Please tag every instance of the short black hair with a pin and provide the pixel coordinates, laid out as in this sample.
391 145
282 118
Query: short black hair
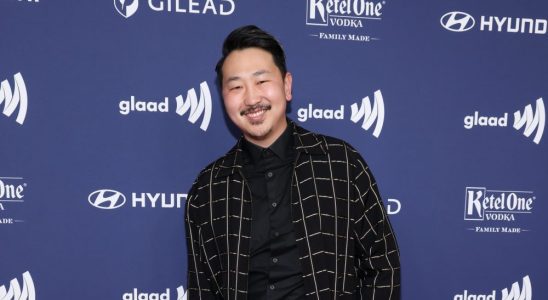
251 36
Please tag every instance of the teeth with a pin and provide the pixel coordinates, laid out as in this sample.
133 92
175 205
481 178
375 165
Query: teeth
256 112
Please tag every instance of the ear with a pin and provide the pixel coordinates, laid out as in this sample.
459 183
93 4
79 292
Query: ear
288 80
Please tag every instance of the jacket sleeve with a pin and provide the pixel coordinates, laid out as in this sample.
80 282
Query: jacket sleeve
377 251
199 285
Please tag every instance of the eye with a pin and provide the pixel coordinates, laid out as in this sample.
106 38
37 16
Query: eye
235 88
262 81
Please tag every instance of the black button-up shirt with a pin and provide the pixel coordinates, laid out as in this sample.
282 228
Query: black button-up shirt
275 271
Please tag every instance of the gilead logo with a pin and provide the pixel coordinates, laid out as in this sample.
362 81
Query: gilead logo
126 8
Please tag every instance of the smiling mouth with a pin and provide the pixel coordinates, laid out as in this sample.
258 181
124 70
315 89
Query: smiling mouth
255 109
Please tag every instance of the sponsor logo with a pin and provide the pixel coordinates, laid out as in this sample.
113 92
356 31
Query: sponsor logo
346 14
515 293
16 98
368 115
393 207
12 191
458 21
128 8
15 292
366 112
197 107
112 199
529 121
136 295
106 199
492 207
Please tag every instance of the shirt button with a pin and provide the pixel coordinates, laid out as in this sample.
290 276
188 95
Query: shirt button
269 174
272 287
274 204
275 260
276 233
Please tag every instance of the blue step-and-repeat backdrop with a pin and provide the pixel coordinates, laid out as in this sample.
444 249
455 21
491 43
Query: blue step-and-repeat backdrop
109 109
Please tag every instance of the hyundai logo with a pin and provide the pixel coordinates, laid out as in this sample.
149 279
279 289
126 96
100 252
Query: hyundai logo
107 199
457 21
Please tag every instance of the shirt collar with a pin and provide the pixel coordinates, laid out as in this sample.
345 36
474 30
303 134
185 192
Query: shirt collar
282 147
304 141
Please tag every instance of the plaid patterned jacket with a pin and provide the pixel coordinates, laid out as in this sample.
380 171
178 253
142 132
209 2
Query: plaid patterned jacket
347 247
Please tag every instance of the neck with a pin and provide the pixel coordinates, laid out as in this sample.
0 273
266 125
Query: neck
269 138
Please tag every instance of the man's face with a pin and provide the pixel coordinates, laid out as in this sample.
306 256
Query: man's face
255 94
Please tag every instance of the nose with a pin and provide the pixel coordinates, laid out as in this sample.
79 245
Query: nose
252 95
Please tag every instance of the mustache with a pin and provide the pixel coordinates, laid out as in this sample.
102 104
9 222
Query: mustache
256 107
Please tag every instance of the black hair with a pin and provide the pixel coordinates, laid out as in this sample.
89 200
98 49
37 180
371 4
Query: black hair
251 36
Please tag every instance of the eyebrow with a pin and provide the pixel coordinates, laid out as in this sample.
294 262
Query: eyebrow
255 74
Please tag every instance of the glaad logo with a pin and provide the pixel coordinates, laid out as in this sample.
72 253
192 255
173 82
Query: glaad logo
14 99
212 7
201 107
519 294
493 206
136 295
126 9
530 121
112 199
365 113
181 294
106 199
370 115
516 293
527 119
457 21
16 293
197 107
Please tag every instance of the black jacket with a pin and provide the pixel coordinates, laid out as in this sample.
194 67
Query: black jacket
347 247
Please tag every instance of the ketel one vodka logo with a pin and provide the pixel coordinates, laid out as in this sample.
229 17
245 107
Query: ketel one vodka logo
12 191
195 107
495 206
15 98
528 121
16 292
345 13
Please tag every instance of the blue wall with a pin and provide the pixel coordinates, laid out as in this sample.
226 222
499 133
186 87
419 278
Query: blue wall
456 93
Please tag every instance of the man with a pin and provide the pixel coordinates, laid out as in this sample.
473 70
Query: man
286 213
